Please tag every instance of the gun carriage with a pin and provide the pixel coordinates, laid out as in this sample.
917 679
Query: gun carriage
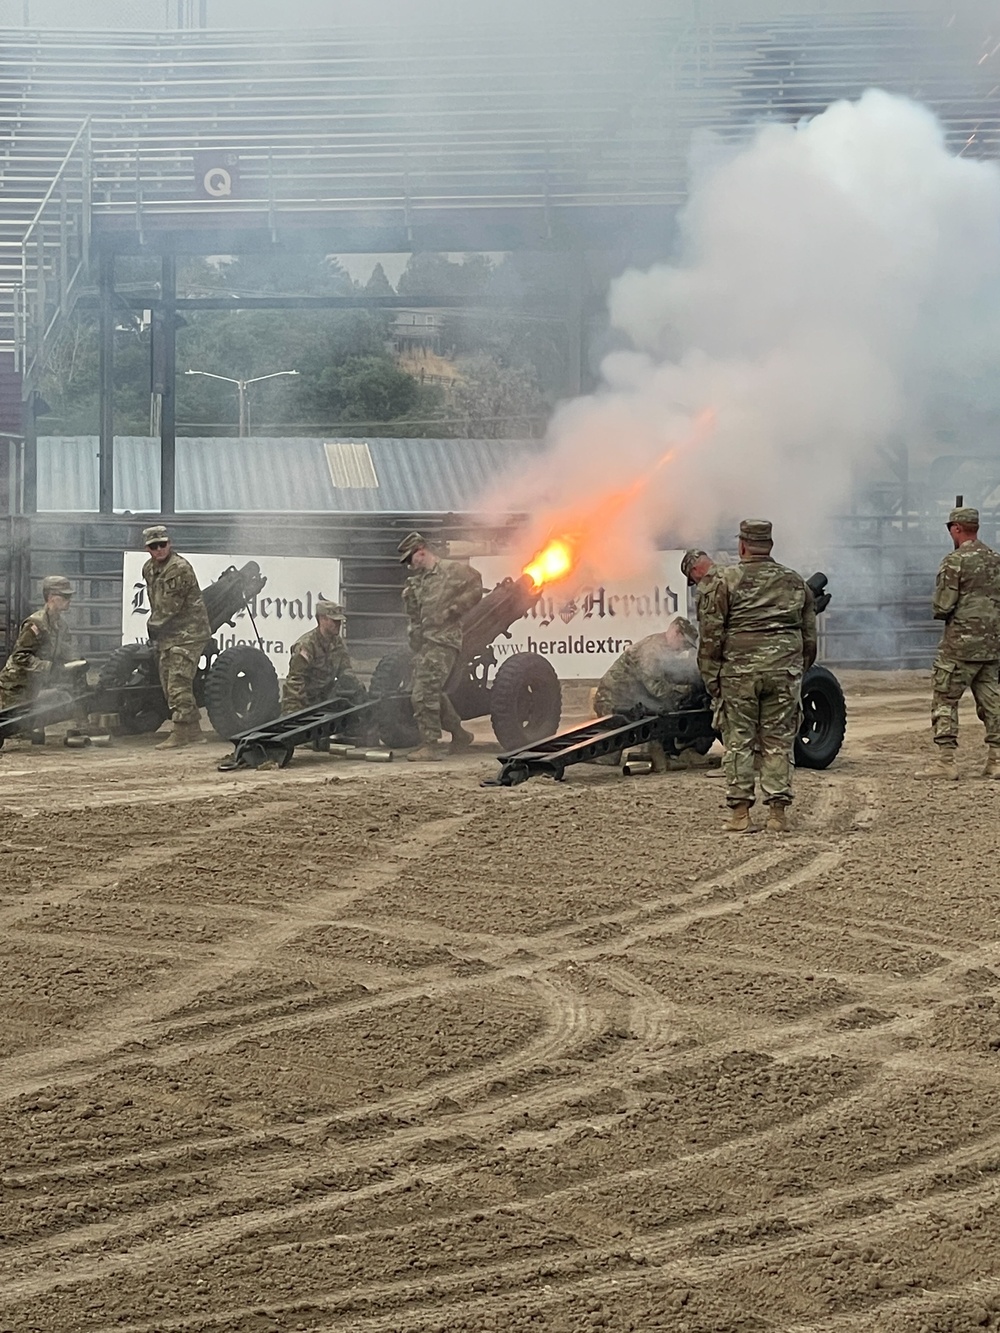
237 686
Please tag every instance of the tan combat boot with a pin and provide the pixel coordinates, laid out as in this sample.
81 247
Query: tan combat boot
777 818
429 753
183 735
461 740
944 766
992 769
739 818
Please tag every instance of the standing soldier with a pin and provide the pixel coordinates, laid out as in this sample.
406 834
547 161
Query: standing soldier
436 596
758 637
42 647
698 568
967 599
319 666
178 629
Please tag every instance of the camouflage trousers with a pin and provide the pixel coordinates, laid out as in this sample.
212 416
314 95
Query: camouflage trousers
432 708
177 664
950 681
18 685
759 718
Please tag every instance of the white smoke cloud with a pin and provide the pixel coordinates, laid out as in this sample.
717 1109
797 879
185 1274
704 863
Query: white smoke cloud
837 286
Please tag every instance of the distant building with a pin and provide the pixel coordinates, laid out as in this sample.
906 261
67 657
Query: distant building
417 331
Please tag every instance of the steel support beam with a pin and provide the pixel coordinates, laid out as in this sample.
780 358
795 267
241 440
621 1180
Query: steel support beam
168 402
106 371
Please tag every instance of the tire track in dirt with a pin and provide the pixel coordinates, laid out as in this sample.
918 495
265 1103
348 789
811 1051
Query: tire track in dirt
136 1020
632 1263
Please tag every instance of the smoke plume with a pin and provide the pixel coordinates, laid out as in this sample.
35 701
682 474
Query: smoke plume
836 287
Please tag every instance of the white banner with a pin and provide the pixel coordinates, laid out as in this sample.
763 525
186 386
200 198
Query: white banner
582 630
284 610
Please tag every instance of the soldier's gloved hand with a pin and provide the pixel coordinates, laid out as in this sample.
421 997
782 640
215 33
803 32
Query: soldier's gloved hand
415 639
151 632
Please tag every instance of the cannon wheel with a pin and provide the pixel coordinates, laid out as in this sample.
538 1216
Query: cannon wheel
824 719
134 664
393 675
525 700
241 691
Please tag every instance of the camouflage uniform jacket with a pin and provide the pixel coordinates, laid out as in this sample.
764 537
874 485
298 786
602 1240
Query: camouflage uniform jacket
43 643
650 674
316 665
703 591
756 616
176 607
435 601
967 599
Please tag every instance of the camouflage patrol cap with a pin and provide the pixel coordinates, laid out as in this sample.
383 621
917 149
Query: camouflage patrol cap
56 583
756 531
410 543
332 609
689 561
155 534
965 517
682 626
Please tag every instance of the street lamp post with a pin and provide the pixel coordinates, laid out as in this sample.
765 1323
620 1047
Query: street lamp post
241 386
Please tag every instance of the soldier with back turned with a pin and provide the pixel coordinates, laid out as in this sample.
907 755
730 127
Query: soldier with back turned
758 637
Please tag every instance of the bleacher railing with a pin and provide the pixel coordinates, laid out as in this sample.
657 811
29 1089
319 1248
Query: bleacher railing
55 252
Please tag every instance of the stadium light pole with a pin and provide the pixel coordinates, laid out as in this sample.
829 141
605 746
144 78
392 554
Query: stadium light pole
242 386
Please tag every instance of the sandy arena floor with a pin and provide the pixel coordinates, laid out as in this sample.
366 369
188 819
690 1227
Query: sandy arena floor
370 1048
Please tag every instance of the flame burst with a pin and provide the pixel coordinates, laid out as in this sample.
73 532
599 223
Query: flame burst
552 562
588 530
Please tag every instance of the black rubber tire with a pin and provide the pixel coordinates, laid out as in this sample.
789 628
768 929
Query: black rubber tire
525 700
824 719
134 664
392 678
241 691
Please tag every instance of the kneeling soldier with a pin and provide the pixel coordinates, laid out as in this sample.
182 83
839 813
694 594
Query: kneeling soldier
42 648
319 666
655 674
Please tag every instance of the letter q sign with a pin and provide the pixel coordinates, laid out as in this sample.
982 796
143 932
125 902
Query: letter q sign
216 174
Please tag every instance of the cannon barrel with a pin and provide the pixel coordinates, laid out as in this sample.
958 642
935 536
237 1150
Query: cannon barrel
495 613
229 594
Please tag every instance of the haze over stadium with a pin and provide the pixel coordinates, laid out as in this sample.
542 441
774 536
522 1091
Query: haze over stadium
836 287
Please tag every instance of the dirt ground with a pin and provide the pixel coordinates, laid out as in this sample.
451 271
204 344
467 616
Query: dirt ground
371 1048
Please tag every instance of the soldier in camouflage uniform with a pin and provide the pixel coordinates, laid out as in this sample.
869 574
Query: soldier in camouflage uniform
436 596
178 629
42 648
967 599
319 666
699 569
758 637
655 674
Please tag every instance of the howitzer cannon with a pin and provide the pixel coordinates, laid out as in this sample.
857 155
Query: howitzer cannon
691 726
521 696
237 686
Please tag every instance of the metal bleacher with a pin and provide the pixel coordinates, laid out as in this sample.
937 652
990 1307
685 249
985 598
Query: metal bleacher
384 139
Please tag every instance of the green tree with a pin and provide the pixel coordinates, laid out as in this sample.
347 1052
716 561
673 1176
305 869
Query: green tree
497 401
